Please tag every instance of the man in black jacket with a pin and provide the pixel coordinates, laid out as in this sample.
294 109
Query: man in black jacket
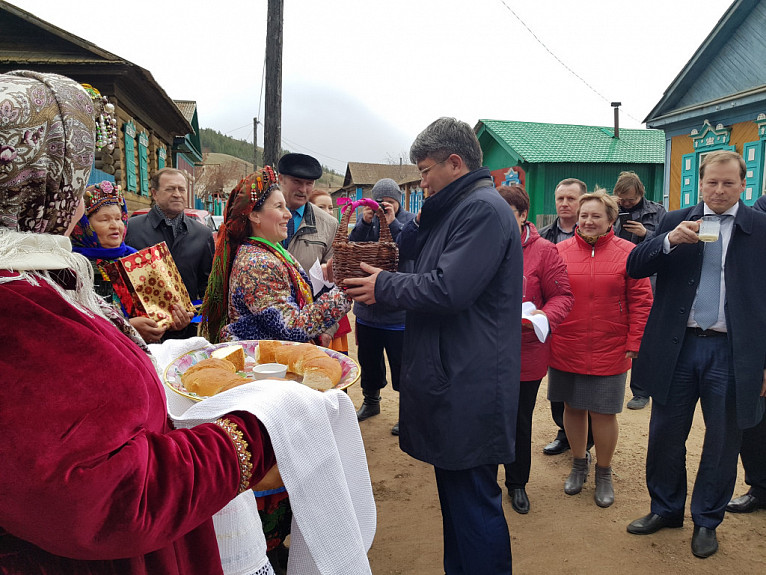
459 385
190 242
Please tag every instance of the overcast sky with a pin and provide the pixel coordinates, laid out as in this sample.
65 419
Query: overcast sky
362 79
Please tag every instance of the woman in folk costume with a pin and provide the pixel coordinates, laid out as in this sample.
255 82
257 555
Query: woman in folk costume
257 290
94 479
99 235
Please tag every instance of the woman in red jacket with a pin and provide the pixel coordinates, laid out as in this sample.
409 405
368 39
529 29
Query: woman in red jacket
546 285
592 349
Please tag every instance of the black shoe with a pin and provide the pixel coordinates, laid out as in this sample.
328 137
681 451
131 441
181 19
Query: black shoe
556 447
395 429
704 542
747 503
519 500
652 523
368 410
638 402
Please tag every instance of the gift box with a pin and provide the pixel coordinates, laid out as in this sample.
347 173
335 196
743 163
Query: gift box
148 283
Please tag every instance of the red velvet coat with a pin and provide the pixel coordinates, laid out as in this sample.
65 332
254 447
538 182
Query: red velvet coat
610 308
92 478
546 284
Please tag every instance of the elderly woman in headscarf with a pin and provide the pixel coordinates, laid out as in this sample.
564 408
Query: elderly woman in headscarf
94 478
99 235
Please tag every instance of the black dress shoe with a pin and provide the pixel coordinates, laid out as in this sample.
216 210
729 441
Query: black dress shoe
556 447
704 542
367 410
747 503
519 500
395 429
652 523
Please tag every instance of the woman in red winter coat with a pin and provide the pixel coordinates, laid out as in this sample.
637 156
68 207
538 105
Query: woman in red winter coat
546 285
592 349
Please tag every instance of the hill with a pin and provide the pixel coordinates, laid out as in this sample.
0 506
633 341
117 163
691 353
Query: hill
216 142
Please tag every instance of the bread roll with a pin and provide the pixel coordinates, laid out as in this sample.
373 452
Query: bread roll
211 376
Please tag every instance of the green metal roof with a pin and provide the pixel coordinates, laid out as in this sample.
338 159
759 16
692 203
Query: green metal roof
536 142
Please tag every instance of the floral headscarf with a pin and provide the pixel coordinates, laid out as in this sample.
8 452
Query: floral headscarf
47 139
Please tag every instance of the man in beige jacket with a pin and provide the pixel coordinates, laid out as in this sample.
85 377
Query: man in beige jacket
310 231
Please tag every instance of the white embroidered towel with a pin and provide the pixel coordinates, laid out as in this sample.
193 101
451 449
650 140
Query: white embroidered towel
321 458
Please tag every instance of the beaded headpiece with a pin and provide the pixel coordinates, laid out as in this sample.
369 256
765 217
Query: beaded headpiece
261 185
106 122
102 194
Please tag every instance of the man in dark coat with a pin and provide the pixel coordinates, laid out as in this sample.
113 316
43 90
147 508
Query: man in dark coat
753 452
460 370
705 340
190 242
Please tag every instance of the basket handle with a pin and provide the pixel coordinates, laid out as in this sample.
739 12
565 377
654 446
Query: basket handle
348 206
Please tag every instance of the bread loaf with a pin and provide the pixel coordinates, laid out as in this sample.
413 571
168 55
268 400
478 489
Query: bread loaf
319 370
233 353
211 376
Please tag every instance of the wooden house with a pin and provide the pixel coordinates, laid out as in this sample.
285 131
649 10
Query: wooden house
717 101
153 131
540 155
361 177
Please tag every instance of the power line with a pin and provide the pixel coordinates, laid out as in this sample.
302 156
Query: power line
235 129
560 61
294 145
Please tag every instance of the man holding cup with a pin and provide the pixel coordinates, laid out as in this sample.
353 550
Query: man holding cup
704 341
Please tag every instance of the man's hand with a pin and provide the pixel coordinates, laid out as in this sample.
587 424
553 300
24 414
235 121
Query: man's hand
324 339
388 209
147 329
763 385
327 272
684 233
636 228
367 214
181 318
631 354
363 289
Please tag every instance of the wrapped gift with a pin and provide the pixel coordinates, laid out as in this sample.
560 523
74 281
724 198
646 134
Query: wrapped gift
148 283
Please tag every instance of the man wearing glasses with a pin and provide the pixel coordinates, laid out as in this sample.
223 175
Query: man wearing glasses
459 383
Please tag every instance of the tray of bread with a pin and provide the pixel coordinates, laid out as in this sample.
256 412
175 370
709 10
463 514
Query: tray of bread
213 369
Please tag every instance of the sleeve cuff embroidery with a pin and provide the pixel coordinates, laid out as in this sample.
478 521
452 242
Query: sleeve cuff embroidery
243 453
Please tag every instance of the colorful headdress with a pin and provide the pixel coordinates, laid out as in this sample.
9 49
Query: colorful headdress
249 195
96 197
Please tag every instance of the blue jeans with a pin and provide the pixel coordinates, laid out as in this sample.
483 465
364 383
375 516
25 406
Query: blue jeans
704 372
476 538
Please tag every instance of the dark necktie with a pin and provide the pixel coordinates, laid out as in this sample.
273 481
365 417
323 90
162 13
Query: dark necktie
709 292
290 230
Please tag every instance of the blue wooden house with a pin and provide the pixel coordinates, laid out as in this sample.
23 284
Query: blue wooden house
717 101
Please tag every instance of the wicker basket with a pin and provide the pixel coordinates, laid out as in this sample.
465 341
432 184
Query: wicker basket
348 255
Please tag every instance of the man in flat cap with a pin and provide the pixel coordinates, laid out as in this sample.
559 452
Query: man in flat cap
310 231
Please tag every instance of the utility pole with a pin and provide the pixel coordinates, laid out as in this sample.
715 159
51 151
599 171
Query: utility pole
255 143
272 134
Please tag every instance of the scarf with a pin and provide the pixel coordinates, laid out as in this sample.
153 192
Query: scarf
47 144
436 207
299 282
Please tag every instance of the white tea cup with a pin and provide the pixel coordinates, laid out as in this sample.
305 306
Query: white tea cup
269 371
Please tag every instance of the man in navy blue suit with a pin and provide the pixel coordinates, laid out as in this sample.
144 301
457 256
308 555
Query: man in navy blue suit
705 341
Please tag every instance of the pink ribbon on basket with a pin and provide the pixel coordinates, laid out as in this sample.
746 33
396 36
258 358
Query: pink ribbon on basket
348 203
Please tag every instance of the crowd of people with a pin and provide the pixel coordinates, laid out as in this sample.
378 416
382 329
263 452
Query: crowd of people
613 284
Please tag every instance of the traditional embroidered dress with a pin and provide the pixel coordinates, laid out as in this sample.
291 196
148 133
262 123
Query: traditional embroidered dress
270 298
